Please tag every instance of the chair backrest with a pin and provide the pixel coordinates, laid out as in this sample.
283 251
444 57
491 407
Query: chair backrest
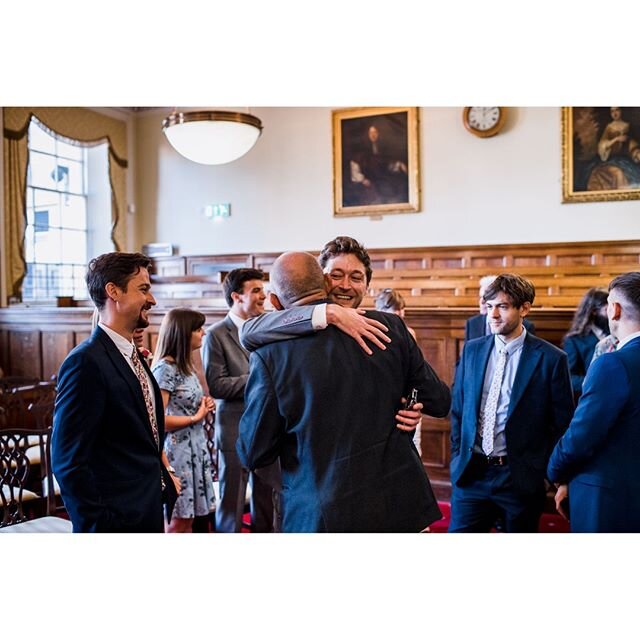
16 478
17 402
26 417
9 383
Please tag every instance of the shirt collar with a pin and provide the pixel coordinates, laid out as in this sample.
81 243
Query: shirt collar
236 319
124 346
512 346
629 338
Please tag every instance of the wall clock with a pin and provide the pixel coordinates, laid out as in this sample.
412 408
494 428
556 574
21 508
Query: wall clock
484 122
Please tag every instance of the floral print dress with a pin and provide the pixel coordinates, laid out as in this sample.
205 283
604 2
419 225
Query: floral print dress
186 448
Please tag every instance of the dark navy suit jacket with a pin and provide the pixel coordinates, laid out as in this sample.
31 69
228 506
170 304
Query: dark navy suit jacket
599 455
103 452
326 409
540 409
579 350
475 327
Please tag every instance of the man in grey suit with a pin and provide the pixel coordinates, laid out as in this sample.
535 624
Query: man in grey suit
226 366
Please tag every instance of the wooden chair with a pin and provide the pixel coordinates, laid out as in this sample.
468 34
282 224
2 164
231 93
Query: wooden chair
17 501
27 488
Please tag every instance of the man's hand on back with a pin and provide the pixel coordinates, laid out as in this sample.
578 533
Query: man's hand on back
355 323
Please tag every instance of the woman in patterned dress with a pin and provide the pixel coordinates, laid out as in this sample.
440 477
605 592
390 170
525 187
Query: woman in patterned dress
185 408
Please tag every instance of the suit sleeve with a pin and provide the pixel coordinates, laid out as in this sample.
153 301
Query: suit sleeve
277 325
562 398
576 365
606 390
221 384
80 404
456 406
262 427
432 392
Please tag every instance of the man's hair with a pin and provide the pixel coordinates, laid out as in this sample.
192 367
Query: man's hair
485 281
516 287
390 300
628 286
345 244
593 300
294 276
234 282
116 267
174 338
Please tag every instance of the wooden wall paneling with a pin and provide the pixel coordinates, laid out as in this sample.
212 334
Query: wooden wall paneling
25 353
5 362
211 265
78 337
55 347
168 267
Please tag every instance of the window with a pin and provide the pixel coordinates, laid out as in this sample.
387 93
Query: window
67 222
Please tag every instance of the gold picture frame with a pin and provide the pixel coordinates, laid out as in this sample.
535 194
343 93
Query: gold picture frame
376 168
600 154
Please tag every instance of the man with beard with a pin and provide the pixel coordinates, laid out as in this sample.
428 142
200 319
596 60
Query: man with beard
512 401
108 424
326 412
347 268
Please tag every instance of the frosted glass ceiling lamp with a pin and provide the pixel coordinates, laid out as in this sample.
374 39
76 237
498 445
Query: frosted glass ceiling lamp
212 137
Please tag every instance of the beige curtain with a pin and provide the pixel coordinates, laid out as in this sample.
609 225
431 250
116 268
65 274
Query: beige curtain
77 126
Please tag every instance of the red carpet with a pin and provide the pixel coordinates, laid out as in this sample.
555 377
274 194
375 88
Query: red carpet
549 522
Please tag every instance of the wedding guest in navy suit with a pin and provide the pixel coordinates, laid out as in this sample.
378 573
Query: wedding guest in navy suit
596 461
328 412
511 402
108 423
589 325
479 325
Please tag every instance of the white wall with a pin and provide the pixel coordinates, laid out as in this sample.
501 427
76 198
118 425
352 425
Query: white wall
505 189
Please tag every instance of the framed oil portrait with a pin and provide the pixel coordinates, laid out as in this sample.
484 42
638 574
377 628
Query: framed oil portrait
600 154
375 161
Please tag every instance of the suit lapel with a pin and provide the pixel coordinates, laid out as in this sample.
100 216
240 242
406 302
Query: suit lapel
529 359
479 364
130 377
233 333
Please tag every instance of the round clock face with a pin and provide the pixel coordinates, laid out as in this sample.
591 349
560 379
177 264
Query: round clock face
484 121
483 118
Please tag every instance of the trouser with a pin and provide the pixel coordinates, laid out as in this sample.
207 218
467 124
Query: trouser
233 478
489 496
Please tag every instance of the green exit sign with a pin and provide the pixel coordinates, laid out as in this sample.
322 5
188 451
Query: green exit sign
217 211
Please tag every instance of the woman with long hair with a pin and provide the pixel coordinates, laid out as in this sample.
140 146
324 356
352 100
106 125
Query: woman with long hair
590 324
185 407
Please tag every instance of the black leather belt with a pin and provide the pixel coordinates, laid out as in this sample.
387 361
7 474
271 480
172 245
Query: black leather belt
492 461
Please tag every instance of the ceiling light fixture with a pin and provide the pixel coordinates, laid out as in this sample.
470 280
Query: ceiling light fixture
212 137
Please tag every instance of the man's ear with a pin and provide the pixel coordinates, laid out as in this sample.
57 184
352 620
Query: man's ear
327 283
525 309
273 299
112 291
616 311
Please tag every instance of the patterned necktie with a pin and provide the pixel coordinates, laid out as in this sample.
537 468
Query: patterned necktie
146 392
491 406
